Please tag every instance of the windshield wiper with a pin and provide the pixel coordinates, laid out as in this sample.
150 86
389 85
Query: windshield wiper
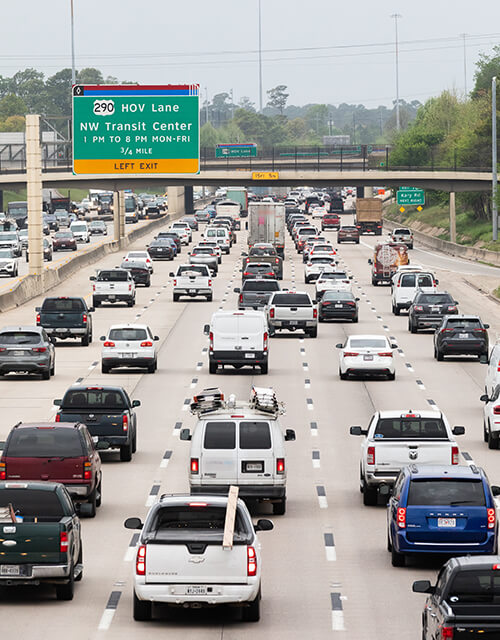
452 504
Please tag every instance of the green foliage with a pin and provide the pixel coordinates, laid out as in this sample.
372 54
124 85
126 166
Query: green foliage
208 136
278 97
12 105
486 68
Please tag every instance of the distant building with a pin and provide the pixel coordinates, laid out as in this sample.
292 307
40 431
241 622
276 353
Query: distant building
337 141
13 149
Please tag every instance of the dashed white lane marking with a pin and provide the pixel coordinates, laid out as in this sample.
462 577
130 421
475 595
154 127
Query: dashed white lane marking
331 553
420 384
307 383
314 429
106 619
322 501
316 462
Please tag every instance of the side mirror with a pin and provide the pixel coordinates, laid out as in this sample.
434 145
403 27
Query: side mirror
237 290
38 308
206 329
84 509
91 310
244 254
422 586
57 402
357 299
289 435
102 445
264 525
456 302
185 434
484 398
339 346
495 490
357 431
370 261
458 431
486 326
102 338
394 345
315 301
133 523
92 278
156 338
136 403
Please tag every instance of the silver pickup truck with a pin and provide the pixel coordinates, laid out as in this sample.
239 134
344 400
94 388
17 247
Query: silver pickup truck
292 310
113 285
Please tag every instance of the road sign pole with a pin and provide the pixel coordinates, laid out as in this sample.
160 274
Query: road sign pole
34 194
494 162
453 218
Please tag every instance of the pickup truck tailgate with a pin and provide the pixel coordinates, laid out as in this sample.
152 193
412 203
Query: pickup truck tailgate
29 543
196 563
396 454
56 320
98 424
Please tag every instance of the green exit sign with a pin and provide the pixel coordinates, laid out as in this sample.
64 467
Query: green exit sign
411 196
248 150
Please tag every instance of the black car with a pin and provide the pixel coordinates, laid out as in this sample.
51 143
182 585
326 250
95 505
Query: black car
51 220
139 271
461 335
428 309
192 222
338 305
255 293
161 249
173 235
258 270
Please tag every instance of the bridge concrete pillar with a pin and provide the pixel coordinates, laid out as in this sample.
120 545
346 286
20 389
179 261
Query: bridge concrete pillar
1 200
175 199
34 194
116 216
188 200
453 218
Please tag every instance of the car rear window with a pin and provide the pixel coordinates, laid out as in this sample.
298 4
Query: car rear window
135 266
128 334
306 232
220 435
19 337
408 280
261 285
320 260
112 276
44 442
204 521
262 251
338 295
29 503
420 428
347 228
434 298
255 435
446 492
401 232
292 300
264 266
463 323
333 276
202 251
93 399
476 585
197 269
62 304
373 343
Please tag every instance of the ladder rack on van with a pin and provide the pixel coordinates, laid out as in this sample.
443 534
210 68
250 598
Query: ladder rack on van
262 400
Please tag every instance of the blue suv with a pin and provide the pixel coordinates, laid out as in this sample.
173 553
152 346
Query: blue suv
445 510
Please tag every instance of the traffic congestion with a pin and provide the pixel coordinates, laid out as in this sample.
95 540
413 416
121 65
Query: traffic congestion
185 447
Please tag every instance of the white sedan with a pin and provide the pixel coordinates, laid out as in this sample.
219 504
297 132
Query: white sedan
183 234
129 345
139 256
315 265
491 418
318 212
366 354
331 280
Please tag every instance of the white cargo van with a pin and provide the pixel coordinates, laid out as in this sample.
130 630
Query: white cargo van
238 338
219 235
406 286
493 373
80 230
239 443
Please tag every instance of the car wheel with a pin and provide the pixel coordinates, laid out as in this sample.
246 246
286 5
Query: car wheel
212 367
355 319
251 612
105 368
98 497
134 442
46 374
85 341
391 376
143 609
152 368
210 297
176 297
397 559
396 310
92 500
126 452
320 318
130 303
342 376
53 368
439 355
486 434
96 303
80 562
493 440
412 327
264 368
389 545
313 333
279 508
66 591
148 283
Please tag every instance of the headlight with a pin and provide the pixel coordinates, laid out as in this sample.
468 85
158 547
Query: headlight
9 266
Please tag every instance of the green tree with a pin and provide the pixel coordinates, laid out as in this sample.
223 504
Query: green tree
247 104
278 97
208 136
13 123
58 89
487 67
89 75
12 105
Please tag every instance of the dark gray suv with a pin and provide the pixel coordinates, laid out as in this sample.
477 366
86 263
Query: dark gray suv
27 350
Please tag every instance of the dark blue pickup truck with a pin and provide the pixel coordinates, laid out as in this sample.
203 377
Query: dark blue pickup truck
108 413
65 317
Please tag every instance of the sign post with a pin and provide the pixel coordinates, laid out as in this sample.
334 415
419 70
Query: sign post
123 129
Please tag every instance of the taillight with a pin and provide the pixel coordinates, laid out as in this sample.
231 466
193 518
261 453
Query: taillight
491 518
401 517
130 287
370 455
453 308
39 349
38 318
315 313
3 471
87 470
271 312
140 562
350 354
63 542
446 633
195 467
247 260
125 422
175 282
251 562
211 338
454 455
280 466
496 410
108 343
209 282
418 307
240 299
58 417
84 318
146 343
265 340
276 260
385 354
481 330
93 287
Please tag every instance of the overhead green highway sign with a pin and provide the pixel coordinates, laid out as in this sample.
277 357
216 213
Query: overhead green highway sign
411 196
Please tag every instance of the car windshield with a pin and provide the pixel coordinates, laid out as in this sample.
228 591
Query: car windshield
112 276
30 503
291 300
476 585
261 285
93 399
444 492
43 442
19 337
63 304
128 334
419 428
78 227
434 298
370 343
6 253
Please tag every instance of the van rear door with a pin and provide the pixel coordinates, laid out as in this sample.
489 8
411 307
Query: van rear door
250 335
255 453
218 462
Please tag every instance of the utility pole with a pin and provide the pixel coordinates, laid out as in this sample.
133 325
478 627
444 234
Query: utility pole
73 72
260 58
206 105
494 176
464 35
396 17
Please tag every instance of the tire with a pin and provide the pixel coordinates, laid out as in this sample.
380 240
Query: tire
80 561
46 374
152 368
493 442
98 498
104 368
148 283
210 297
355 319
85 341
320 319
313 333
391 376
126 452
142 609
176 297
66 591
412 328
134 442
251 613
439 355
389 545
342 376
396 310
53 369
306 280
92 500
212 367
370 495
486 434
279 508
397 559
130 303
264 369
96 303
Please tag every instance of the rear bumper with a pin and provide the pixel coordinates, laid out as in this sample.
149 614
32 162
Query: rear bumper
192 292
465 347
338 313
220 593
78 490
426 322
113 441
66 332
38 573
114 297
292 324
239 357
30 367
403 545
128 362
258 492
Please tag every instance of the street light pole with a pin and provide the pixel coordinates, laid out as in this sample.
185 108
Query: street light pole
206 105
396 17
73 73
464 35
260 58
494 177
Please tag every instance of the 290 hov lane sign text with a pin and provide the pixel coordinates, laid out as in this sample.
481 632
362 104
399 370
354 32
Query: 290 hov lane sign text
136 129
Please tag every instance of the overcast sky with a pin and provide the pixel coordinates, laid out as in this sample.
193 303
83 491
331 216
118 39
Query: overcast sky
323 50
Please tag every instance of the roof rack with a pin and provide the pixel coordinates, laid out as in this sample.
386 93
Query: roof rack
262 399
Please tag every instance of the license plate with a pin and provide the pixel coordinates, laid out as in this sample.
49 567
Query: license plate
338 306
447 522
196 591
434 309
254 466
249 355
127 355
10 570
159 250
368 358
192 290
463 336
18 353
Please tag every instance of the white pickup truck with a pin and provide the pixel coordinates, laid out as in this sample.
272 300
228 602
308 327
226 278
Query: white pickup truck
395 439
192 280
292 310
113 285
189 555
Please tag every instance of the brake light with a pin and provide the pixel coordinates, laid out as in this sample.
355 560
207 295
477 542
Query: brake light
496 410
251 562
125 423
271 312
350 304
482 330
240 299
446 633
491 518
280 466
175 282
3 471
195 467
370 455
418 307
39 349
211 338
454 455
146 343
63 542
276 260
453 308
315 313
130 287
265 340
401 517
84 318
247 273
58 417
108 343
209 282
87 469
38 318
324 304
385 354
93 287
247 260
350 354
140 562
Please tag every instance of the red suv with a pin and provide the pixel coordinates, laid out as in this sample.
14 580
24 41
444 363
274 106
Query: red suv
58 452
330 221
